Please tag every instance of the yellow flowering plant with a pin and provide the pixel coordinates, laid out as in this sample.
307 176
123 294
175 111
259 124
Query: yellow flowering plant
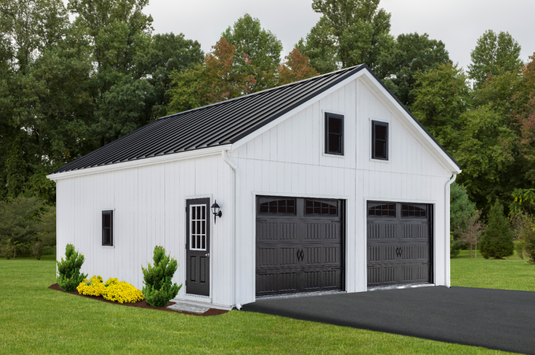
91 287
113 290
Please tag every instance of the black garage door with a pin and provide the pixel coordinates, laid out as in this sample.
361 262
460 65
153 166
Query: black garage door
399 243
299 245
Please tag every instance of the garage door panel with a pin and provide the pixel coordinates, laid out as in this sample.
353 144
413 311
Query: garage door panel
415 231
384 275
322 279
399 243
322 231
276 231
415 273
381 230
299 252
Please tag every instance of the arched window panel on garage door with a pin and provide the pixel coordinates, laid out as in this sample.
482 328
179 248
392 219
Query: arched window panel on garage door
417 211
325 208
277 205
382 209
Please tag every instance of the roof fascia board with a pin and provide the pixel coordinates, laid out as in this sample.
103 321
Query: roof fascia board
296 110
141 162
384 96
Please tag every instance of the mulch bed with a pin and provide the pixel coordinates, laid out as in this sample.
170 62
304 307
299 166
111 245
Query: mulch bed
143 304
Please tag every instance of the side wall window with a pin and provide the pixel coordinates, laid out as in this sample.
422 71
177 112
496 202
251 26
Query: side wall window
334 134
107 228
379 140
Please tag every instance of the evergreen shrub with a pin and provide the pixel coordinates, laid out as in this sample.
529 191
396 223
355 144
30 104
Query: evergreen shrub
159 290
37 249
497 240
69 276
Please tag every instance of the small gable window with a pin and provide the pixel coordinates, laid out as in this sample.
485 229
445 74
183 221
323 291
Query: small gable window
334 134
379 140
107 228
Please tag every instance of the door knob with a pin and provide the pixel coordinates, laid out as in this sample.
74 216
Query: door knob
207 254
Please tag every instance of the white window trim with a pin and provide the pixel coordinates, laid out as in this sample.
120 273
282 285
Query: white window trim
323 133
370 136
112 228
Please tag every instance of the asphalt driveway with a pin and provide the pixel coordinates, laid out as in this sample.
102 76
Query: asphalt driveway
495 319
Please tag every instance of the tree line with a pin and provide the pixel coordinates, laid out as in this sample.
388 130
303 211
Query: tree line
75 77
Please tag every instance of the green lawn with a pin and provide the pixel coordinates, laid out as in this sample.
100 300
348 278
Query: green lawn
37 320
509 274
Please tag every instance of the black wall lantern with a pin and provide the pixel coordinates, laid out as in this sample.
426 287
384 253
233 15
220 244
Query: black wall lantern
216 210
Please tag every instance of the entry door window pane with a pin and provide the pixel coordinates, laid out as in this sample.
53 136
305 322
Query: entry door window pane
197 223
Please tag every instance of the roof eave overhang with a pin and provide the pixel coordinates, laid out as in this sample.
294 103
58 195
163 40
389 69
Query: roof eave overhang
197 153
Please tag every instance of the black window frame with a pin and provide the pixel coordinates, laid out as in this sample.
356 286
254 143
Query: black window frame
329 115
374 139
110 227
281 212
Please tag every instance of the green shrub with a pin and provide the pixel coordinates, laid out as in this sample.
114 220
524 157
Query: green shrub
158 290
69 276
461 210
37 249
525 236
7 249
497 241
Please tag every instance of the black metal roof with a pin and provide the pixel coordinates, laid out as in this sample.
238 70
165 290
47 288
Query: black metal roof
218 124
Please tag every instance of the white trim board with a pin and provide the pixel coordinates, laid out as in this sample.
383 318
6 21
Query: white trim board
141 162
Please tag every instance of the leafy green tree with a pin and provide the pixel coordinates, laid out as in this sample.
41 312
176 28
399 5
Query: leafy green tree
524 114
187 90
320 47
441 96
214 81
461 210
297 67
487 152
494 54
166 53
257 51
19 218
29 31
498 92
360 30
413 53
46 226
158 279
497 241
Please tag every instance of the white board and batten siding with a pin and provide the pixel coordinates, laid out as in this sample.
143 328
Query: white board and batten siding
148 204
289 160
284 158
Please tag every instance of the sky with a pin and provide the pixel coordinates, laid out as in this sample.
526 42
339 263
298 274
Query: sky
457 23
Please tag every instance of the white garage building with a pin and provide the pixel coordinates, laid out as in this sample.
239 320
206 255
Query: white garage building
324 184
